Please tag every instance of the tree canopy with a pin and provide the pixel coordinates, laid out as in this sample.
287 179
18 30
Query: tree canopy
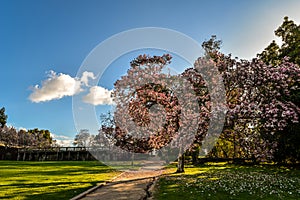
3 117
289 32
34 138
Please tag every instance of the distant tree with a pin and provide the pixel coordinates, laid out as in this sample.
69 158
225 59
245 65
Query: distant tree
106 136
8 136
3 117
34 138
271 53
289 32
40 138
23 138
82 139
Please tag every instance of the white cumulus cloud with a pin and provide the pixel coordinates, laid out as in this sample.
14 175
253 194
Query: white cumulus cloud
98 96
55 87
61 140
64 143
86 76
59 85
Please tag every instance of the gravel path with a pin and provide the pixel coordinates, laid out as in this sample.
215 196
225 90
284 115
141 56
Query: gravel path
130 185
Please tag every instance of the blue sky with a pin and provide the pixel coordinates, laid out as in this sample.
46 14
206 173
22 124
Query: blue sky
38 38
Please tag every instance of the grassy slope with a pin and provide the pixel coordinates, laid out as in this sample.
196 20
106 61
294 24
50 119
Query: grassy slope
230 182
50 180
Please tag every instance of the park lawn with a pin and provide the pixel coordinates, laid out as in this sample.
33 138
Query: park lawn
50 180
224 181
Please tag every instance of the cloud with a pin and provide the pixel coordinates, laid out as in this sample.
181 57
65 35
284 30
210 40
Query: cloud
54 136
61 140
64 143
85 77
59 85
22 128
55 87
98 96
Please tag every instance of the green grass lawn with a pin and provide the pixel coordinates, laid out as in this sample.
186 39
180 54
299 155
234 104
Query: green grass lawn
223 181
50 180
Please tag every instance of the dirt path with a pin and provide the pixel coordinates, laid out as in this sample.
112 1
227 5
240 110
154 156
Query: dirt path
130 185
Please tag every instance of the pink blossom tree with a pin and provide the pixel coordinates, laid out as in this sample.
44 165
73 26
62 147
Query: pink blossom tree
149 114
258 101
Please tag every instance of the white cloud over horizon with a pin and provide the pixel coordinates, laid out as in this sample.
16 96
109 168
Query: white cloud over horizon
54 136
61 140
98 96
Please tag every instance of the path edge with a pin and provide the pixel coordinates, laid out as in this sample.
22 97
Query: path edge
83 194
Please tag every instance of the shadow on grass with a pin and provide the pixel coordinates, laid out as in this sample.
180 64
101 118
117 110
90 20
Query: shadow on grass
64 190
38 185
50 180
57 172
61 195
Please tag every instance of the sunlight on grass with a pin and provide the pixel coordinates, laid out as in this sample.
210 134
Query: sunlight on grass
50 180
222 181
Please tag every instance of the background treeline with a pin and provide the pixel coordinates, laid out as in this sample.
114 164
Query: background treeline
34 138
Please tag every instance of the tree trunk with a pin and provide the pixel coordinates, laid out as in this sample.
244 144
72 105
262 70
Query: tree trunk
132 159
180 164
18 157
195 156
